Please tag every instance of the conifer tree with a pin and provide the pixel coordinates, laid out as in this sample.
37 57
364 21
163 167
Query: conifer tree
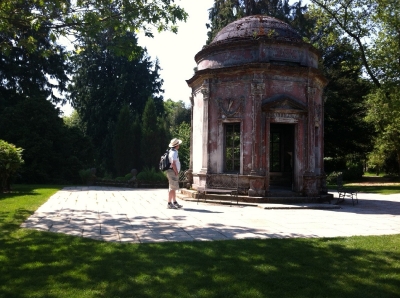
153 136
123 143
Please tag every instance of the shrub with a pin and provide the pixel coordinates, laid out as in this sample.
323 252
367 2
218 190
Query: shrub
331 179
354 171
10 161
88 176
127 177
151 175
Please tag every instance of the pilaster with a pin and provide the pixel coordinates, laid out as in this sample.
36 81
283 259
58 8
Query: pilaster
205 91
257 90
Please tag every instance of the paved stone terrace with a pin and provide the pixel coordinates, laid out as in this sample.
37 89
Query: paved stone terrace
141 216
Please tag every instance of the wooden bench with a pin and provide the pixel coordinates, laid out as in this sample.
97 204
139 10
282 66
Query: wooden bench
345 192
220 184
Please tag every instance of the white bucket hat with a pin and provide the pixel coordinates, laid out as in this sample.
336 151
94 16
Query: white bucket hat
174 142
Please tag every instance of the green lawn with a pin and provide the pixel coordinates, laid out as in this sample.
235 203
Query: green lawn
373 184
41 264
386 190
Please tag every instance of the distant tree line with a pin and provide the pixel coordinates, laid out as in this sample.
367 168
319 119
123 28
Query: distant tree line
111 82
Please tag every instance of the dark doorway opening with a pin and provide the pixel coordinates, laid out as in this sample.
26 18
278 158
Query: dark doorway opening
281 154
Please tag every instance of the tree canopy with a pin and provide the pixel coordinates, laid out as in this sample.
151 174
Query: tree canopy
373 28
30 31
107 68
104 82
83 18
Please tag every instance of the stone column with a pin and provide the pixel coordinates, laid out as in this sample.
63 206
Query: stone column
190 170
256 183
324 188
310 188
257 90
311 130
205 90
267 150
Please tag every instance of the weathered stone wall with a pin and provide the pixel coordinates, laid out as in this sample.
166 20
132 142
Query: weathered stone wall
258 83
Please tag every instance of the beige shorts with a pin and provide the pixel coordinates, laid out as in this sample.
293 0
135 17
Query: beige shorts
173 180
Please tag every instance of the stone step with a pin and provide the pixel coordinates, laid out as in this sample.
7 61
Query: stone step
283 199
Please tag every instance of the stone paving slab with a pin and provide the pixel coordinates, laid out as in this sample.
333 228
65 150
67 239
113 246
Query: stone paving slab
141 216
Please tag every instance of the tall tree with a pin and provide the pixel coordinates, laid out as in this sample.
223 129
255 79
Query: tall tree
104 82
33 65
182 132
26 72
221 14
352 19
345 105
124 143
153 136
137 132
385 53
52 151
384 114
178 118
373 26
176 113
29 31
86 17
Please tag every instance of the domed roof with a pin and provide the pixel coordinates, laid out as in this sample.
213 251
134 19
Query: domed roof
257 26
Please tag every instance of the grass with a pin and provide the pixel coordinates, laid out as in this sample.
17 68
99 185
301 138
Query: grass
383 190
380 185
43 264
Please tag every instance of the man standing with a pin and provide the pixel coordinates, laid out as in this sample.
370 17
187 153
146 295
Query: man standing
173 173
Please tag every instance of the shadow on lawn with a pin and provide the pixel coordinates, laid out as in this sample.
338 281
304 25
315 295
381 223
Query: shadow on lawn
39 264
26 191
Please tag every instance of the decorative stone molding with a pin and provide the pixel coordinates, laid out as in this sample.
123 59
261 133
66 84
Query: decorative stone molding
257 88
256 186
230 106
278 87
311 91
284 115
310 185
318 114
206 93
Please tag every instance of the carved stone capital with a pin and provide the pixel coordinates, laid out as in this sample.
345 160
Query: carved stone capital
311 91
257 88
318 113
206 93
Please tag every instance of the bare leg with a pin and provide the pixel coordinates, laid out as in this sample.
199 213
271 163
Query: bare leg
171 196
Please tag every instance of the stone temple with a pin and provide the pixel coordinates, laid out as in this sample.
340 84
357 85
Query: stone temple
257 110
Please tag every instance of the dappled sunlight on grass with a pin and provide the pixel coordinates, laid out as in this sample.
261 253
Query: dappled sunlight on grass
378 185
43 264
